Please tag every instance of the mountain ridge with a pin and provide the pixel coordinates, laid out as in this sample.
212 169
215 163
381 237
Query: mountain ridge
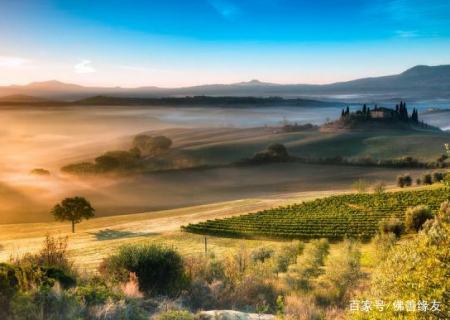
418 82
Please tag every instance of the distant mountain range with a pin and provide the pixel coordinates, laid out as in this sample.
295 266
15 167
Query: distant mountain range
417 83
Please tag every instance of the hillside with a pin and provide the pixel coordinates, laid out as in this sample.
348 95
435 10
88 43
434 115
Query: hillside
335 218
417 83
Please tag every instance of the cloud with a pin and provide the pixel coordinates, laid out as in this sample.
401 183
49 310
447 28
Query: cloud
225 8
12 62
84 66
406 34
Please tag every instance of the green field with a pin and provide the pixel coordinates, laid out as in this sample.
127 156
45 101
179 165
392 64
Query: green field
335 217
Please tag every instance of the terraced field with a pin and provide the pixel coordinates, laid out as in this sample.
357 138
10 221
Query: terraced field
335 217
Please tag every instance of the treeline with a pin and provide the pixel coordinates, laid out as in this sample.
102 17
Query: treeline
277 152
147 154
405 162
399 113
198 101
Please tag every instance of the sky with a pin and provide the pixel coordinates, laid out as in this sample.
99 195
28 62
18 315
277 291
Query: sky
174 43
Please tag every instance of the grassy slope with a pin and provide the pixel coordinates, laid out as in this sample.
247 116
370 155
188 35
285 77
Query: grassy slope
99 237
219 146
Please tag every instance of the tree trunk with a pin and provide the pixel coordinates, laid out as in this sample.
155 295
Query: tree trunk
73 226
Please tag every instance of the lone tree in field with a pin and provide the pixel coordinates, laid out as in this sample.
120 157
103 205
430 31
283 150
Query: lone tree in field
73 209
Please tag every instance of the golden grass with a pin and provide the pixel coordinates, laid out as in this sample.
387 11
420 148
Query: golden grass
97 238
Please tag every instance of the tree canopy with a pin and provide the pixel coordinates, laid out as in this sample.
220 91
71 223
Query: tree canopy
73 209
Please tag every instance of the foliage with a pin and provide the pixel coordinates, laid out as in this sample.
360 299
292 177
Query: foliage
392 225
73 209
301 308
287 255
159 269
308 265
9 285
175 315
427 179
404 181
50 303
416 269
275 152
261 254
416 217
335 217
342 272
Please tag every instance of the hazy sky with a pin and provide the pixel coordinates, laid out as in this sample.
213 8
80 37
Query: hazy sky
186 42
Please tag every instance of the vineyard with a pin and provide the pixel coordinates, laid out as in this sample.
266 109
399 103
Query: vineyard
335 217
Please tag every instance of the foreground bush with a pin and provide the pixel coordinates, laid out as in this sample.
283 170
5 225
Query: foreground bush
159 270
416 269
416 217
175 315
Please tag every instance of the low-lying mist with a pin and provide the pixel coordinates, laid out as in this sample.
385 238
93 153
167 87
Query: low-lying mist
50 138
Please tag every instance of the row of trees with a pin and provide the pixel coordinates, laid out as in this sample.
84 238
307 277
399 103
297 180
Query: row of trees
400 112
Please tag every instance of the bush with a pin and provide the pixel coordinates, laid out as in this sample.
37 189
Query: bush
342 272
176 315
404 181
301 308
46 303
416 217
438 177
95 292
9 285
261 254
308 266
427 179
287 255
392 225
159 269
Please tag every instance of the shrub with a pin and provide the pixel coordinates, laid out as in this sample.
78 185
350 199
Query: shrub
407 180
123 310
416 267
159 269
9 285
416 217
438 177
400 181
342 272
261 254
95 292
301 308
287 255
176 315
427 179
46 303
308 265
392 225
404 181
